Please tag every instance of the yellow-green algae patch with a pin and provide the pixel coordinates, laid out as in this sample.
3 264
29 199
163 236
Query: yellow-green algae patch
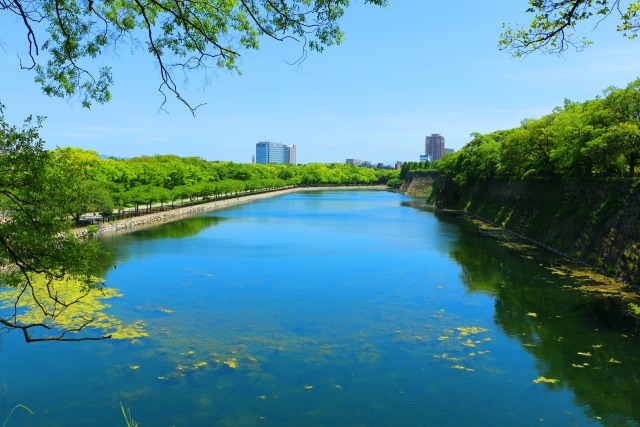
76 306
471 330
545 380
589 279
154 308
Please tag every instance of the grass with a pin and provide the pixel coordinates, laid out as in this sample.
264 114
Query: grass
127 417
11 413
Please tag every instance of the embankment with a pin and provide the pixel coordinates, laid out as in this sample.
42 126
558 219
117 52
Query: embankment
596 221
174 214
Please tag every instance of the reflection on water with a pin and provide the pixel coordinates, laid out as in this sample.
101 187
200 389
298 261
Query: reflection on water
579 339
335 308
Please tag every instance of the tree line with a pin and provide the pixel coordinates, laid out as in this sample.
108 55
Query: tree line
598 137
96 184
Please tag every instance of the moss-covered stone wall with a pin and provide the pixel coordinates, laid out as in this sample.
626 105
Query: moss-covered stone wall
593 220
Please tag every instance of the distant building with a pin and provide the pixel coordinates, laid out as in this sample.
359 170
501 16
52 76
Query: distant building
424 158
448 151
275 153
434 146
290 154
253 160
355 162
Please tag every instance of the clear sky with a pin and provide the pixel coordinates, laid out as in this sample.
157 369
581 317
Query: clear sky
403 72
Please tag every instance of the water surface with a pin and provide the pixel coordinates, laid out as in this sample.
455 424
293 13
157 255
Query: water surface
345 308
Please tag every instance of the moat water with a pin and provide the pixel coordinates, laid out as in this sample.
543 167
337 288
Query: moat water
344 308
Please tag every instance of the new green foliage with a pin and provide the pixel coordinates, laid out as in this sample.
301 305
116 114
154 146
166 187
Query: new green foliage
599 137
35 238
93 184
185 36
554 25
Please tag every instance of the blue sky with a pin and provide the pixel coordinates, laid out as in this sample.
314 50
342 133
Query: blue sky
402 72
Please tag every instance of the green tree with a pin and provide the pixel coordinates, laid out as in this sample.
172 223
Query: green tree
554 23
76 170
573 130
624 108
526 150
36 243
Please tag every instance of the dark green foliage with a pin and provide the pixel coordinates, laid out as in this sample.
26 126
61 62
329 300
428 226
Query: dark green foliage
407 167
395 183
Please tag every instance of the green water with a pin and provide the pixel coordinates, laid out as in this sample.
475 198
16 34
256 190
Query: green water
346 308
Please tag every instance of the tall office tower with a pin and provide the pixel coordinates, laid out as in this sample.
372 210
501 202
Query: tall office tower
269 153
290 154
434 146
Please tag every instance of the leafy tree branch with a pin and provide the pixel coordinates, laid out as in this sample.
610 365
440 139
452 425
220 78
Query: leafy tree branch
180 35
553 28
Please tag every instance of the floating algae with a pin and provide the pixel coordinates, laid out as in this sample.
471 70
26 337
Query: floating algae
81 301
462 368
130 332
592 280
471 330
191 368
579 366
545 380
154 308
463 338
232 363
445 356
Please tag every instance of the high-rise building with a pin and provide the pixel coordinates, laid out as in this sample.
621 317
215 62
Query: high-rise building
269 153
290 154
434 146
275 153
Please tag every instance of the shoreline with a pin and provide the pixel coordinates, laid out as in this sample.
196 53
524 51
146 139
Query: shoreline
151 220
